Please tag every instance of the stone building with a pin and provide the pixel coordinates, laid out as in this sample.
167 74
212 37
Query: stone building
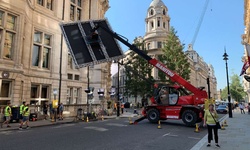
157 24
35 65
246 40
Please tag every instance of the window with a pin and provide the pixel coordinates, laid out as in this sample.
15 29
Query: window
41 50
5 89
7 34
77 77
46 3
39 92
148 46
152 24
75 10
158 23
70 76
164 25
73 95
151 12
159 44
164 12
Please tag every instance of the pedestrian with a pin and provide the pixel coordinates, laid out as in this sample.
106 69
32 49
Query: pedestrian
21 111
209 121
26 114
122 107
61 111
242 108
7 115
45 110
51 110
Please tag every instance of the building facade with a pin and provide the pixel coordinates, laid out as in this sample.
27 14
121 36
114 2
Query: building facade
35 65
246 40
157 23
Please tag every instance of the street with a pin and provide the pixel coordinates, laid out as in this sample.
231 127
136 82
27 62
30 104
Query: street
104 135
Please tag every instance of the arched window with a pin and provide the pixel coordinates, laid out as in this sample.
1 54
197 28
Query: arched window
152 24
164 12
148 46
151 12
164 25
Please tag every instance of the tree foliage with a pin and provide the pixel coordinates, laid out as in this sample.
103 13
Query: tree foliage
174 57
138 76
236 89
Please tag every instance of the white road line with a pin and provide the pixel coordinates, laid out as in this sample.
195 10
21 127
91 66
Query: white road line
65 125
96 128
116 124
194 138
166 134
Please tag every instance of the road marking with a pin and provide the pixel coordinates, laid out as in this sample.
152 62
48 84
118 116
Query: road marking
194 138
65 125
116 124
96 128
168 134
6 132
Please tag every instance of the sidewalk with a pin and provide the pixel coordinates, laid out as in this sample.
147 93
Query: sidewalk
40 123
235 137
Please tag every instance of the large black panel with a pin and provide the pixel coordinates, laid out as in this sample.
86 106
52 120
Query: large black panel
89 47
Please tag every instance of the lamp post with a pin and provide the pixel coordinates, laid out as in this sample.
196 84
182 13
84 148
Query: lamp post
225 57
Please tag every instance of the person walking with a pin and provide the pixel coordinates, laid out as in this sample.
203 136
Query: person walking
7 115
242 108
209 121
21 112
26 114
61 111
45 110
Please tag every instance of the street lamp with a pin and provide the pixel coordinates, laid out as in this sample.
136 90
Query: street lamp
225 57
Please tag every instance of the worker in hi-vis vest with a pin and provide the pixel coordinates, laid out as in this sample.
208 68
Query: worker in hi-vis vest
26 114
7 115
21 112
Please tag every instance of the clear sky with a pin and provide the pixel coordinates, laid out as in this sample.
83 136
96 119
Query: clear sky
222 26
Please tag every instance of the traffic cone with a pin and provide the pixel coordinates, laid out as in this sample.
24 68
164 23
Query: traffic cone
130 121
197 129
159 124
87 119
225 123
102 118
82 118
222 127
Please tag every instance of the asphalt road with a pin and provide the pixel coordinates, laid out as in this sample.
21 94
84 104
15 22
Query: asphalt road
112 134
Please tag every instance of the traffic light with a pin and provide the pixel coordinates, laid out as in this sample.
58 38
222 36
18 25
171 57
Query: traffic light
101 93
90 92
112 92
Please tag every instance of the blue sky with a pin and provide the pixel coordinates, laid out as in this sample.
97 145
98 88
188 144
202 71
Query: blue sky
222 26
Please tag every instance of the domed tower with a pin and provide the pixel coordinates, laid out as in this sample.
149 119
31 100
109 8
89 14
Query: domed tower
157 29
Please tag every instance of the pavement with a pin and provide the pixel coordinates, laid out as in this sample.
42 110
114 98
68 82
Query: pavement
41 123
235 136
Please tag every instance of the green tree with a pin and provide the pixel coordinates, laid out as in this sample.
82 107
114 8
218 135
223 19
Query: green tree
139 80
174 57
236 89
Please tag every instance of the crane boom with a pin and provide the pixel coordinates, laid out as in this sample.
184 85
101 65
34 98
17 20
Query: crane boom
200 22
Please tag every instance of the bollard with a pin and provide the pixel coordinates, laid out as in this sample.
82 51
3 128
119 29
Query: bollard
130 121
197 129
225 123
159 125
222 127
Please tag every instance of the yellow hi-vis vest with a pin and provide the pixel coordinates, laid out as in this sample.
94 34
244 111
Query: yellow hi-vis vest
26 111
21 109
7 113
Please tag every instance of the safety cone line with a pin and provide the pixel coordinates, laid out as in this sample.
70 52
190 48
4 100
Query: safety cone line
197 129
159 124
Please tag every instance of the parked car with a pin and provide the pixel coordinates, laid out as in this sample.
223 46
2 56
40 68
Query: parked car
222 109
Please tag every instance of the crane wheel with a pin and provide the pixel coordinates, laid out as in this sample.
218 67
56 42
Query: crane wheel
189 117
153 115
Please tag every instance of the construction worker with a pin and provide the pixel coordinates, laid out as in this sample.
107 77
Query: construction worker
21 112
7 115
26 114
